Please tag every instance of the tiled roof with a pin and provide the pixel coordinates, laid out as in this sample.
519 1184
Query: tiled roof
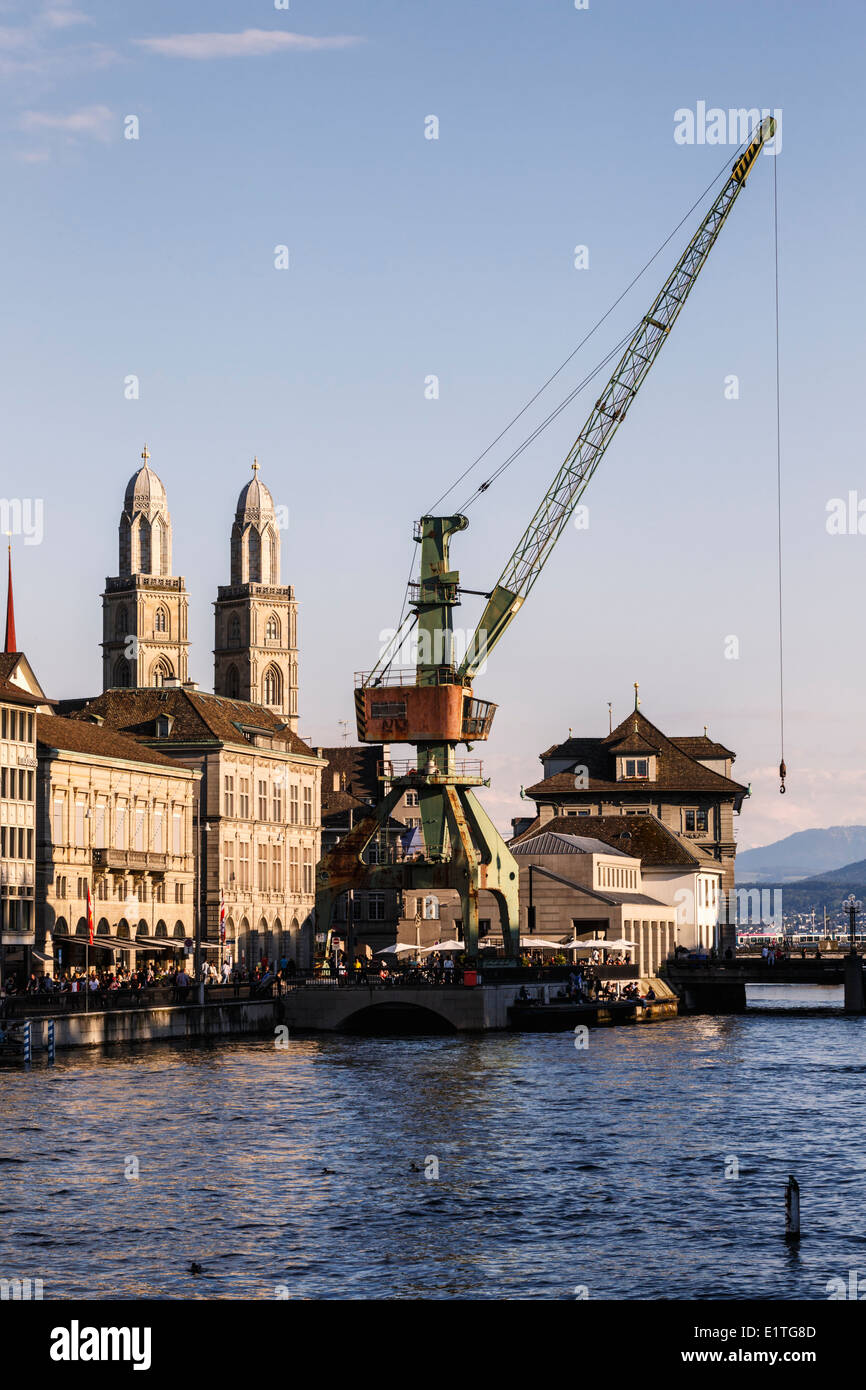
703 747
14 695
196 717
77 736
643 837
677 770
548 841
358 768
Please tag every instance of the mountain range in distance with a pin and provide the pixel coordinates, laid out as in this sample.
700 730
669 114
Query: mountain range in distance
837 850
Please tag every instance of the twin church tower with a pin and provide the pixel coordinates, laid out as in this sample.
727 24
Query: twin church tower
144 609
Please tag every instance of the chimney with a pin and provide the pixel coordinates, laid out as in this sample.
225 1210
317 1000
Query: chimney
546 812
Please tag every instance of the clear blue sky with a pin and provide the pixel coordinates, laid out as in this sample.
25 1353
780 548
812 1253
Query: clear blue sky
409 257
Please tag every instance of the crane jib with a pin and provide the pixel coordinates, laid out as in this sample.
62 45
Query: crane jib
552 515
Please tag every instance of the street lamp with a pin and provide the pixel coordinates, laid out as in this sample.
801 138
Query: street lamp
853 906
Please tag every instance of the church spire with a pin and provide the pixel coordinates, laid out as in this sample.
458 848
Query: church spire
11 641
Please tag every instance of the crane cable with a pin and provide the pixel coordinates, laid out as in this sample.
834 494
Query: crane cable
644 268
783 771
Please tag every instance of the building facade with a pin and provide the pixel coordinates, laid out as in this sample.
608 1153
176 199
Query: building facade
685 783
20 698
259 814
117 818
582 888
144 607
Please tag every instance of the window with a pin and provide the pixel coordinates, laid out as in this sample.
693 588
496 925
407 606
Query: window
263 868
159 892
695 822
79 823
60 886
308 805
637 767
177 838
293 804
637 811
294 874
233 683
411 798
308 872
376 907
244 798
178 893
235 631
163 726
272 686
120 825
57 827
139 828
158 819
99 826
263 800
13 724
228 864
4 723
229 795
431 908
244 864
278 801
277 868
272 631
161 620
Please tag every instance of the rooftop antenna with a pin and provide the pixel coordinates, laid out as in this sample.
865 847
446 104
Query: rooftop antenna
610 717
345 724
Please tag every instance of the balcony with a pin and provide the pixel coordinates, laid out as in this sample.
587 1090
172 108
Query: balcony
130 861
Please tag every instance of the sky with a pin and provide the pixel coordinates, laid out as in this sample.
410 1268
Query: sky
256 127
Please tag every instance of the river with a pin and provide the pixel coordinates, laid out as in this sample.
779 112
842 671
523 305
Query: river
559 1169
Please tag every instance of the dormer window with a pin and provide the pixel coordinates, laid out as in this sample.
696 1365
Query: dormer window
637 767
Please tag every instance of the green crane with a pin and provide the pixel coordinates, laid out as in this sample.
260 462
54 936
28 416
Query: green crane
432 706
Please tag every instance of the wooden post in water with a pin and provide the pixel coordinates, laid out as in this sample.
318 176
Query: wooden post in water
792 1209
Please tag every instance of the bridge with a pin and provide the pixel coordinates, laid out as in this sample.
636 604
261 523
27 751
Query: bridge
719 986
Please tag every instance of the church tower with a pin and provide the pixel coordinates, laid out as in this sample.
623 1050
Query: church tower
144 609
256 645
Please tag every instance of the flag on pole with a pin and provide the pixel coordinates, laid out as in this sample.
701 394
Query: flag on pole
222 921
89 916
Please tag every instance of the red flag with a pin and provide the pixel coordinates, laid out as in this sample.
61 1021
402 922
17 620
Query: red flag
89 916
222 921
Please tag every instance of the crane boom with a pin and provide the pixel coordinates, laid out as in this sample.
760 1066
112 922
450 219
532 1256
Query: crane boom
535 545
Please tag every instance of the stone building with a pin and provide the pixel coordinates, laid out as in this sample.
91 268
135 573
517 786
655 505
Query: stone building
21 697
256 644
144 607
674 872
581 887
259 811
636 770
119 818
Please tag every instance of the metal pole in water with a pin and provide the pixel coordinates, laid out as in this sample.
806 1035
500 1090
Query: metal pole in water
28 1042
51 1039
792 1209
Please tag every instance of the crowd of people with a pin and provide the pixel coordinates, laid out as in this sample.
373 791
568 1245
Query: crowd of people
103 983
584 987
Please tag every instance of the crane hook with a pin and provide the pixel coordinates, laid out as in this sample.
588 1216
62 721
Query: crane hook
783 772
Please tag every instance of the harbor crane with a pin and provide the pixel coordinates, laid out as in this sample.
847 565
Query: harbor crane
432 706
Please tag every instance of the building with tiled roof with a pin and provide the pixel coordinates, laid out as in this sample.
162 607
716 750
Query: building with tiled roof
260 817
685 783
676 872
120 818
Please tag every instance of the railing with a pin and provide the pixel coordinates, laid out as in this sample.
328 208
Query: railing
110 1000
407 675
144 860
405 767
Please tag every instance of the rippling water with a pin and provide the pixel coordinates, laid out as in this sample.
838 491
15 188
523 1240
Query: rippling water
557 1167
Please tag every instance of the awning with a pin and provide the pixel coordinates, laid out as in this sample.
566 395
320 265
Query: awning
40 955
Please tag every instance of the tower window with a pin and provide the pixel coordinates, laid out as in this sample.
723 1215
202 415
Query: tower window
120 623
235 631
233 683
161 620
272 631
271 686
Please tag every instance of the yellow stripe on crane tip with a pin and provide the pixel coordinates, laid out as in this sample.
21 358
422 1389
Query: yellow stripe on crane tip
744 164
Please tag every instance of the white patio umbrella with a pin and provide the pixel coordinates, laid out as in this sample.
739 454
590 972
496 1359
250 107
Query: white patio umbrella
395 950
619 945
542 942
444 946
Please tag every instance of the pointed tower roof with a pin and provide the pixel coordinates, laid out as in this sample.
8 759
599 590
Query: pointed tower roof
255 502
11 640
144 491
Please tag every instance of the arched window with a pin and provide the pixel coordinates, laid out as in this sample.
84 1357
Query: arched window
102 927
233 683
143 546
123 930
235 631
82 929
120 622
160 672
274 558
272 631
123 673
272 686
161 929
160 621
179 931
